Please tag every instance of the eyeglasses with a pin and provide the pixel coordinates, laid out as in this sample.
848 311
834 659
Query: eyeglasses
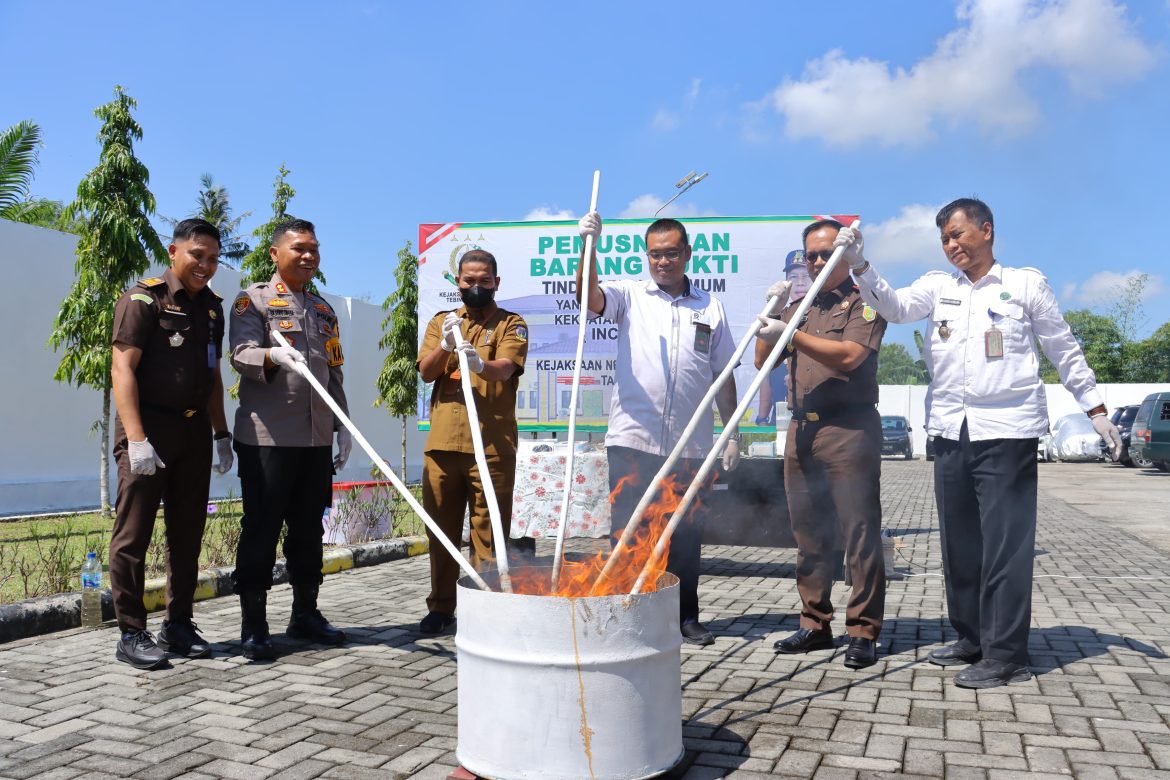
671 255
824 254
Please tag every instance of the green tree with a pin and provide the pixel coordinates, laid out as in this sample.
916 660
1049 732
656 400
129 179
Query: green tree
1149 360
19 154
257 266
116 246
214 205
897 367
1101 341
397 382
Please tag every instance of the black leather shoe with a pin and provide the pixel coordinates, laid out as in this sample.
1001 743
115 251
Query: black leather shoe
803 641
138 649
695 633
990 673
862 652
180 637
436 623
307 622
255 641
961 652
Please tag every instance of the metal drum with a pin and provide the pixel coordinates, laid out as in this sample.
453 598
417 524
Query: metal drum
555 688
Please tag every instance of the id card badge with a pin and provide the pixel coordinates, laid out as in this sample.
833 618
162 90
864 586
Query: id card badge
993 342
702 338
211 356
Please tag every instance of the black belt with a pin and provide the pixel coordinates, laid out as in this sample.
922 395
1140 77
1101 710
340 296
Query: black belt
194 412
830 413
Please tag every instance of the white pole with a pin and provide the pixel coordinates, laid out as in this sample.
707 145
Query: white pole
485 477
582 318
627 537
304 371
773 357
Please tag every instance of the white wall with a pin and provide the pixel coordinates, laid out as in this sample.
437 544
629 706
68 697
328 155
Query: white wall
49 461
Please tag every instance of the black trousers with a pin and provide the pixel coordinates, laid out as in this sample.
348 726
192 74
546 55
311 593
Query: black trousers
282 485
986 495
184 444
634 470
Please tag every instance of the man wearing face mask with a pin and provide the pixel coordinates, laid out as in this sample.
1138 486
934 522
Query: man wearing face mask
495 342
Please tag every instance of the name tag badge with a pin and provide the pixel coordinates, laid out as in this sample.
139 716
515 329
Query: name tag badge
211 356
993 342
702 338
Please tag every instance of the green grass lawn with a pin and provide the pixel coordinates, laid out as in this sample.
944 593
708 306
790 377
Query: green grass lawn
43 556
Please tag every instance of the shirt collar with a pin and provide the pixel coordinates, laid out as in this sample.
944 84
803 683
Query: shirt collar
173 284
838 293
689 291
995 272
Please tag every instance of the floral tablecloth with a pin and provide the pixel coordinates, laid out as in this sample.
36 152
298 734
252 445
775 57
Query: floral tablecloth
540 487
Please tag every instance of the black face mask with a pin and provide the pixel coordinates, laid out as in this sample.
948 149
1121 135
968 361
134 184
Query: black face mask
477 297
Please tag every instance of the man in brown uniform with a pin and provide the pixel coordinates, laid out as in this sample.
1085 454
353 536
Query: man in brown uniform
832 459
495 342
168 337
284 436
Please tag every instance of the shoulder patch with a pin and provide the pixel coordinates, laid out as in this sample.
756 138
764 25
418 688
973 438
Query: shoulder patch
522 332
140 297
153 281
242 304
867 313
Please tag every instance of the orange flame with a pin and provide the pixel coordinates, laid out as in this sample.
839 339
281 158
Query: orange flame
578 576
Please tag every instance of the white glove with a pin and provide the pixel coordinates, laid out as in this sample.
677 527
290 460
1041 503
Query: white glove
590 225
770 330
223 450
344 446
731 455
779 290
1108 431
474 361
143 459
450 325
286 357
854 245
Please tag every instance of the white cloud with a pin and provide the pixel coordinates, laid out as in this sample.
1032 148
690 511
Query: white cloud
976 74
692 95
908 238
664 121
646 205
546 212
1105 288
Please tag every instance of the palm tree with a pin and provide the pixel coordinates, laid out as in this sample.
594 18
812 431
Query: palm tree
214 206
19 146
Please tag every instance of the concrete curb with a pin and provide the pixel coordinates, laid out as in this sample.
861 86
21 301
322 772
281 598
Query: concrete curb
61 612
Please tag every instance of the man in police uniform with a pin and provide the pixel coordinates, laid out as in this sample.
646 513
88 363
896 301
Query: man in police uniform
168 337
987 411
832 456
495 342
673 341
284 435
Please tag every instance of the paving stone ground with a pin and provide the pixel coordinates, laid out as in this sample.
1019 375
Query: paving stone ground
385 705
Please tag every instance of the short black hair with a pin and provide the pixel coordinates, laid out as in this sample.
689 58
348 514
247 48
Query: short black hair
478 256
976 210
189 228
820 223
293 226
666 225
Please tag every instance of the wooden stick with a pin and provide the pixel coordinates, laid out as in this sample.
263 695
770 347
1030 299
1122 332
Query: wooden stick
304 371
499 540
773 357
582 318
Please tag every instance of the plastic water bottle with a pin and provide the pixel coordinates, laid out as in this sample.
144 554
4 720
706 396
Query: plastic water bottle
91 592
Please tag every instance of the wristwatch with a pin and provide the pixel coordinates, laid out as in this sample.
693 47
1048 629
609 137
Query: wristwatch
220 435
1098 410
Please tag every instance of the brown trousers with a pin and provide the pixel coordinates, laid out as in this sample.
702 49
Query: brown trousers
831 474
184 444
451 485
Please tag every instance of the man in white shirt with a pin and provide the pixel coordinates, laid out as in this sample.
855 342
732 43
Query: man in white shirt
986 410
673 340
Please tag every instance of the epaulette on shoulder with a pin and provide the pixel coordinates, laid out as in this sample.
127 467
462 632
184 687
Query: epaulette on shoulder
1032 270
214 294
937 273
153 281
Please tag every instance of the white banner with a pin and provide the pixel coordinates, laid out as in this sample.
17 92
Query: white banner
733 258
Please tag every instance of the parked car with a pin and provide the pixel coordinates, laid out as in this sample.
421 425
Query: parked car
1150 434
1075 439
896 437
1123 417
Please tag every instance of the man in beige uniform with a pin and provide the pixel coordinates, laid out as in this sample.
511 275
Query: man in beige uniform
496 344
284 436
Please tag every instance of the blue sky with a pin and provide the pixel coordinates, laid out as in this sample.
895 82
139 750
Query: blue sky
390 114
